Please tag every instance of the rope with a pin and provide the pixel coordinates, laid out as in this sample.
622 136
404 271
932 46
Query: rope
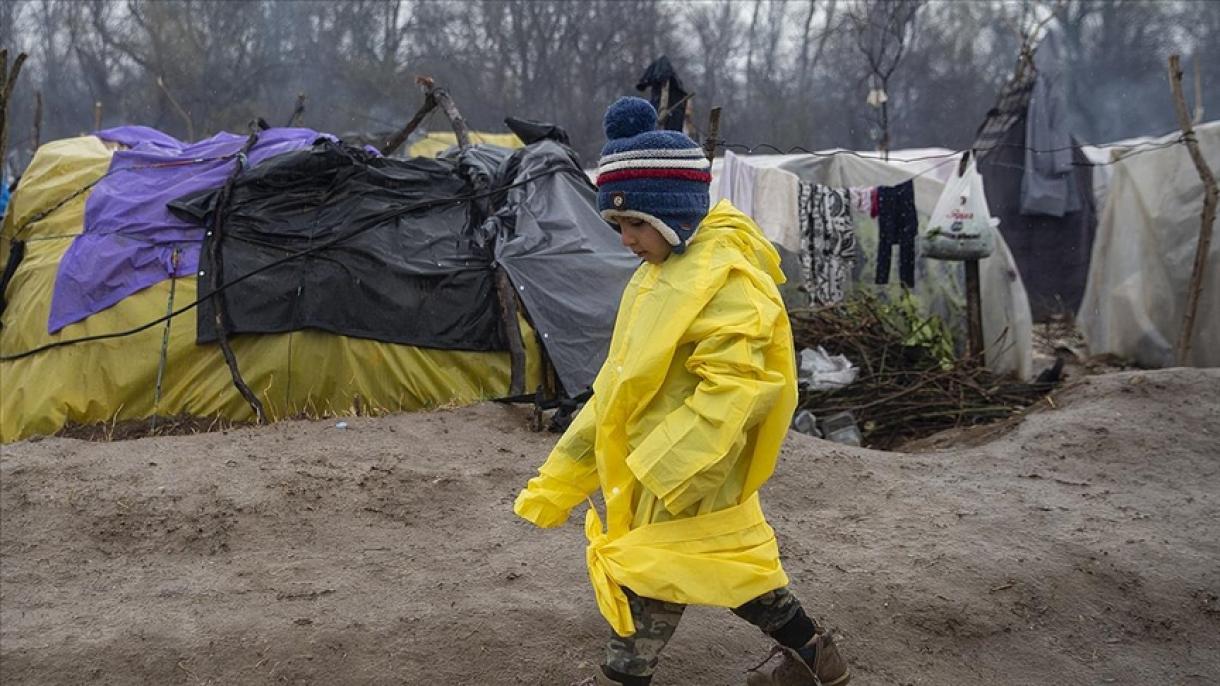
173 286
1133 150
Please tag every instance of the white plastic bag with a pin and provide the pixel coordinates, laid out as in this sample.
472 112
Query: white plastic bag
822 372
961 226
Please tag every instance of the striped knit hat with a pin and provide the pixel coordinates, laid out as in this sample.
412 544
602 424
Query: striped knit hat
661 177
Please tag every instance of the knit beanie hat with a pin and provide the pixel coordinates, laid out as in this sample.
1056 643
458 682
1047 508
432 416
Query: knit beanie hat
661 177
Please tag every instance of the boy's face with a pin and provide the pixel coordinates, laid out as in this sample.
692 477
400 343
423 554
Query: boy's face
639 237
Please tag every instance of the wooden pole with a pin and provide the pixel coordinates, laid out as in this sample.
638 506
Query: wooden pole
512 331
8 81
713 131
974 313
186 117
663 110
445 102
404 133
1210 197
37 120
217 281
974 295
97 115
1198 93
298 112
666 111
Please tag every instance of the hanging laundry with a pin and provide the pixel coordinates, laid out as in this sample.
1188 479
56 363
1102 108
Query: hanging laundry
862 198
828 248
898 225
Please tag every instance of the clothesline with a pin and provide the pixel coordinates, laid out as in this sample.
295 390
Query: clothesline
955 155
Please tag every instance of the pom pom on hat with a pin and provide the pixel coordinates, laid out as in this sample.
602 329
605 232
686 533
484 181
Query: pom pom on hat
629 117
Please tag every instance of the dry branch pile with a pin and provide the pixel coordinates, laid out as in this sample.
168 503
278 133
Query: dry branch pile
910 383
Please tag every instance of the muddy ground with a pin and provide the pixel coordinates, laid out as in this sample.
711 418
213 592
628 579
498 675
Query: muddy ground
1080 546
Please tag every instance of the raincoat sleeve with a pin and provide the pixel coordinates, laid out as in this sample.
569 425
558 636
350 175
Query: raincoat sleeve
567 477
690 454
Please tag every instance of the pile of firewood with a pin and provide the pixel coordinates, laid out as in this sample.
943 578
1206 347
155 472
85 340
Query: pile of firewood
911 382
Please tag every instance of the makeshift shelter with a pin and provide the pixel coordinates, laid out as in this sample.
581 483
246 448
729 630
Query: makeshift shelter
767 187
1142 260
1039 182
352 282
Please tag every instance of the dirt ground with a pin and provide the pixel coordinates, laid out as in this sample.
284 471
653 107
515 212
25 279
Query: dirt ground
1081 546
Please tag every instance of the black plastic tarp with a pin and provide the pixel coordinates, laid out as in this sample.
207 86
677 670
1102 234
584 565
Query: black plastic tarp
654 79
563 259
418 277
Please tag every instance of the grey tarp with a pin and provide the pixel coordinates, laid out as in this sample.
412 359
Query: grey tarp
562 258
1052 251
1048 186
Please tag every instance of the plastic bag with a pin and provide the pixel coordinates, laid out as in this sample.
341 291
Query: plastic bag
822 372
961 226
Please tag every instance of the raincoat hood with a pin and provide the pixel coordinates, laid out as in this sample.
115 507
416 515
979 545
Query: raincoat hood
727 223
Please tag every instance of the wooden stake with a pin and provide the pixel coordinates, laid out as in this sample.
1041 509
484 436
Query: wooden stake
186 117
445 102
974 313
713 131
37 120
298 112
97 115
974 296
404 133
8 81
664 108
666 111
1210 197
1198 93
512 331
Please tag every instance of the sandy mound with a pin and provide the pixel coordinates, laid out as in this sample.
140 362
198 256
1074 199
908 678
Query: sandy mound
1081 547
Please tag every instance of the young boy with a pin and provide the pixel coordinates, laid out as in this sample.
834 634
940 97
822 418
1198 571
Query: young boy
686 420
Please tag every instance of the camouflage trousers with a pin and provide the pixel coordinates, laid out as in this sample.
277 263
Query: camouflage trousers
656 621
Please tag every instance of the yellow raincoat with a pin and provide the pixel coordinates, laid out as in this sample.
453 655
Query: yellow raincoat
685 424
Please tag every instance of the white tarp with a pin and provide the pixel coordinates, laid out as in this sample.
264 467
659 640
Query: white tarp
764 184
1143 255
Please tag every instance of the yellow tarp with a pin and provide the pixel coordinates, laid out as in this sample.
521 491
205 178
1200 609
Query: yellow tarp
115 379
437 142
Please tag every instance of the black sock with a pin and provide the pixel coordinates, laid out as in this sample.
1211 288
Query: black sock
797 632
626 679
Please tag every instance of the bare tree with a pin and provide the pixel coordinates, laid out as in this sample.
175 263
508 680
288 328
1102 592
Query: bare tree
882 30
764 62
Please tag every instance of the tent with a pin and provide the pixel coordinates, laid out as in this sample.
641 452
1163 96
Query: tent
1039 182
352 282
1135 300
767 187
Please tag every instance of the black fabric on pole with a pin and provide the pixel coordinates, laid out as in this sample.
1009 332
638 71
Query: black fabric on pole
655 77
417 279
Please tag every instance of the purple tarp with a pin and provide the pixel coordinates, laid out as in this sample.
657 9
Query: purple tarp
129 235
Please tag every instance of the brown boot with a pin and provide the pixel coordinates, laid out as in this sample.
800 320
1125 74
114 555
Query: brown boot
785 667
